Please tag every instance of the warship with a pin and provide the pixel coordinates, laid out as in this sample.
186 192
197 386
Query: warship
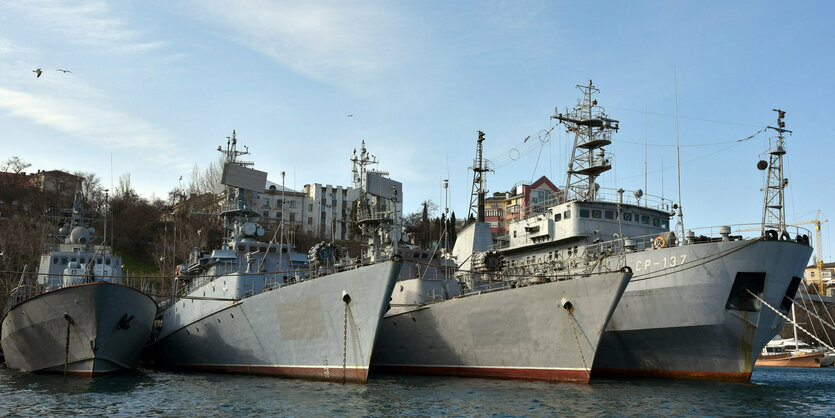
480 318
699 306
78 318
244 308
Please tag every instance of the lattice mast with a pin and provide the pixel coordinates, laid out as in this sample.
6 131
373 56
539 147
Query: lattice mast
774 210
479 188
237 207
592 130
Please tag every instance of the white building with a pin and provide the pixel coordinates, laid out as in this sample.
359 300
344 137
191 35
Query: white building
328 210
276 203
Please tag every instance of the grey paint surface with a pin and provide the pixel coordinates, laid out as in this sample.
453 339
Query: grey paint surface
34 333
297 330
673 321
523 328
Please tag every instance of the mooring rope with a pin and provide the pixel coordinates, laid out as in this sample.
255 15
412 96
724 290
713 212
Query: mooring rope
788 319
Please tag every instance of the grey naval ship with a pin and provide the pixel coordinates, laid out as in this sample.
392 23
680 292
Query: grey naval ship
473 316
699 306
79 318
244 308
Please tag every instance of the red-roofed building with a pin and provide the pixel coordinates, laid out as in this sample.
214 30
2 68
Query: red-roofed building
522 200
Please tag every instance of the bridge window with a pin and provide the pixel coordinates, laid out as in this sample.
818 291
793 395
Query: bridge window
584 213
656 222
645 220
609 214
557 217
627 216
595 213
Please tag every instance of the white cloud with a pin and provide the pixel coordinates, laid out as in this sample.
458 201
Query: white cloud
86 23
85 116
324 41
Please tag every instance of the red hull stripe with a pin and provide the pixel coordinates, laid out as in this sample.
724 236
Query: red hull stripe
333 374
555 375
673 374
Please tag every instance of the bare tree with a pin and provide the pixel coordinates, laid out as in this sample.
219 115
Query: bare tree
204 181
91 190
124 189
14 165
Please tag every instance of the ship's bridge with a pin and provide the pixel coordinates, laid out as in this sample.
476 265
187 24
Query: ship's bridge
584 222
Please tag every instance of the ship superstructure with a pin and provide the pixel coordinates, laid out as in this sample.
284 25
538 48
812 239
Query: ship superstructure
78 318
248 308
692 308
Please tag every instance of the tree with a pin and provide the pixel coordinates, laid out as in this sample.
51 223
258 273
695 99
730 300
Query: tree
204 181
14 165
453 230
91 191
124 189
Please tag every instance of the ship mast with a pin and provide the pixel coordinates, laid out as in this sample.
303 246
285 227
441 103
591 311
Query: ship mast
774 211
592 131
378 225
479 188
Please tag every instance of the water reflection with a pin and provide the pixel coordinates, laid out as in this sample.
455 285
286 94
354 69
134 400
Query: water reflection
773 391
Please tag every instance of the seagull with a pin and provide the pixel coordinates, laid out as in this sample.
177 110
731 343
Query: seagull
63 71
526 139
38 72
351 115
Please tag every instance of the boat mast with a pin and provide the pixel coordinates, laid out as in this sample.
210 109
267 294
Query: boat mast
774 211
479 188
592 130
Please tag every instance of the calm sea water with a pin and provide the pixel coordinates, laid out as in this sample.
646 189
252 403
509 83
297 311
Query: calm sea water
771 392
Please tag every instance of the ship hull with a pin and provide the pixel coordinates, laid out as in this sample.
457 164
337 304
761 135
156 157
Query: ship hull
680 320
519 333
88 329
299 331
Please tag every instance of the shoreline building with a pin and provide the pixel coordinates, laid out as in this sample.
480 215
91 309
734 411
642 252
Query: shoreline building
328 210
502 208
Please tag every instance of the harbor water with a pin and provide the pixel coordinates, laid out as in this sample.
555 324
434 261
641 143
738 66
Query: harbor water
771 392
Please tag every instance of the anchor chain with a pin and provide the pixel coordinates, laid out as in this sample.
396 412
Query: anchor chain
577 340
345 343
67 344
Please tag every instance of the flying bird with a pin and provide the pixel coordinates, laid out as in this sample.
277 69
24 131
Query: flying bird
526 139
351 115
63 71
38 72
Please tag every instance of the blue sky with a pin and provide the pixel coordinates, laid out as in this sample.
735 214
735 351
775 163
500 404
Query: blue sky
158 85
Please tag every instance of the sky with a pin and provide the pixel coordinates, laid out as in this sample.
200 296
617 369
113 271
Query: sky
155 87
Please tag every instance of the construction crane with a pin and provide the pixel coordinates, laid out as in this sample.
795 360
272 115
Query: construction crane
817 222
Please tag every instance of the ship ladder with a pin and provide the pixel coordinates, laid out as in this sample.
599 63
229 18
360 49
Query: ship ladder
788 319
